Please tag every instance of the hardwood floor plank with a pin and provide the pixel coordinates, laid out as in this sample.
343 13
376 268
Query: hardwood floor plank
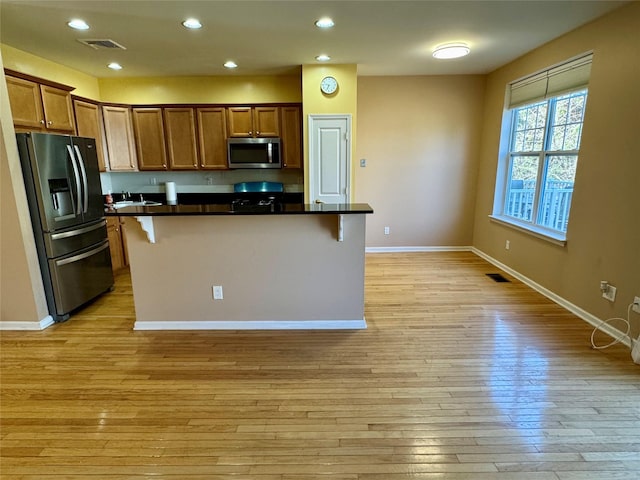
456 377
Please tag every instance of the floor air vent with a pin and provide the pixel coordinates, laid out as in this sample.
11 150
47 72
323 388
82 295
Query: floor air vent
97 44
496 277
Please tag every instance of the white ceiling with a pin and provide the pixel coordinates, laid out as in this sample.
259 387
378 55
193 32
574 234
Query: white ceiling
267 37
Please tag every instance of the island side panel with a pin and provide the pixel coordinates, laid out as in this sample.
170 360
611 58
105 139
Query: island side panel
272 268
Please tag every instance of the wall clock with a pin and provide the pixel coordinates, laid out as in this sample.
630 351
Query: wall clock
328 85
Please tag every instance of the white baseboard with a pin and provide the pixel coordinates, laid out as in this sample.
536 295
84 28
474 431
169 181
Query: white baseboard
253 325
579 312
41 325
416 249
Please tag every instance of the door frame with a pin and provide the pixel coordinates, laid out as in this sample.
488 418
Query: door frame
312 122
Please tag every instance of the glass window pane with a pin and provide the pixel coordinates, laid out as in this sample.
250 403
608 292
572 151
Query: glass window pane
557 191
557 138
523 176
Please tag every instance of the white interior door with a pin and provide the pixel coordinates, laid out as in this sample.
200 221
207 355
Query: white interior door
329 158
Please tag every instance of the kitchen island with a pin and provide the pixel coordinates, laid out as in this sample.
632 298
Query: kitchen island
283 266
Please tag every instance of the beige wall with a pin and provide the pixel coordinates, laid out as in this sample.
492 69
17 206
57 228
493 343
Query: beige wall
420 138
603 237
21 290
85 85
271 268
343 101
235 89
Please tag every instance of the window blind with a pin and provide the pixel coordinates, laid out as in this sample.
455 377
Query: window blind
568 77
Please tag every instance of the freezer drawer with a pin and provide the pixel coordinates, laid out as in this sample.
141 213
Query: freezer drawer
74 239
80 277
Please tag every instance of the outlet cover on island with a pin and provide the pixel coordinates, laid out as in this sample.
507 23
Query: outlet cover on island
609 293
636 305
386 230
217 292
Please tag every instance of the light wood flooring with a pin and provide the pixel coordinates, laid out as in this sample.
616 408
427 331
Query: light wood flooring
457 377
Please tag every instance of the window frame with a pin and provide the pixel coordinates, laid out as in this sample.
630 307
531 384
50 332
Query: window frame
543 156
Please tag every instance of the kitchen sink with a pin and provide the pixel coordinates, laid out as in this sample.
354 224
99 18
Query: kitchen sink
131 203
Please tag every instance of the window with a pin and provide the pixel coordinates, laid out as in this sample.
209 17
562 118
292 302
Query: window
543 131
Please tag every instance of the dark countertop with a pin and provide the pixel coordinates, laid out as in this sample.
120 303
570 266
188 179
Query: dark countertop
228 209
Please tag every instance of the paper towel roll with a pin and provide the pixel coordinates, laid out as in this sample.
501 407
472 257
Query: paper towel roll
170 190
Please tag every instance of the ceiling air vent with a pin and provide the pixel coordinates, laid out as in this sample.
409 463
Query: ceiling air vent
98 44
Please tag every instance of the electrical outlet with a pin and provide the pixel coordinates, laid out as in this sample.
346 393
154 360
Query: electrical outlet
217 292
507 245
386 230
609 293
363 162
153 181
636 305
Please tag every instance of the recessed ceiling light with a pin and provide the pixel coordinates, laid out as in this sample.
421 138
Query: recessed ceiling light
451 50
323 58
115 66
78 24
325 22
230 64
192 23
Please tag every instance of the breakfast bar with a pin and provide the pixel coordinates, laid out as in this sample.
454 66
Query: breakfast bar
225 266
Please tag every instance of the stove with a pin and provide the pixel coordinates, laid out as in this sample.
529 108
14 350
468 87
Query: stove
256 204
257 196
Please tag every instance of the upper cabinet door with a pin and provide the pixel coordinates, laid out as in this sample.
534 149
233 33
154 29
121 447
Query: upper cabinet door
291 130
180 130
212 138
26 103
150 144
58 111
119 138
240 121
266 122
89 124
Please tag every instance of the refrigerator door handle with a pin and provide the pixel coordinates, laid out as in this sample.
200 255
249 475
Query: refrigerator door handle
85 185
82 256
79 231
77 176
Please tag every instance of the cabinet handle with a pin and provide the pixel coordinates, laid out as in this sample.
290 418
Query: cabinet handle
42 122
49 122
202 164
258 133
164 165
250 132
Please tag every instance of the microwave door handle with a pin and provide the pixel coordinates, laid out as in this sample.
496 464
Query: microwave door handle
85 186
270 152
77 177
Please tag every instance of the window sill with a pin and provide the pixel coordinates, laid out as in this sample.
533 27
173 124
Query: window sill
555 238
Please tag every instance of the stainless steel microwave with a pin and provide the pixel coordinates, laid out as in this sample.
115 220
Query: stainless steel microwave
254 153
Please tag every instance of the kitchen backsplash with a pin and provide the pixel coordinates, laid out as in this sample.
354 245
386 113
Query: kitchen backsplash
196 182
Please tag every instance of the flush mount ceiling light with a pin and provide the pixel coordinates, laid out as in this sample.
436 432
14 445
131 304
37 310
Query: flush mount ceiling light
451 50
230 64
78 24
192 23
323 58
115 66
325 22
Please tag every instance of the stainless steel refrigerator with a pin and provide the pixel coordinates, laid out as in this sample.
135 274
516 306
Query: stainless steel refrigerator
62 182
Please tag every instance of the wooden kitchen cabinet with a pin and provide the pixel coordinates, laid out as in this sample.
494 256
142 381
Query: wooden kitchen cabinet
89 124
117 243
39 107
291 135
150 143
212 138
253 121
180 131
119 138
